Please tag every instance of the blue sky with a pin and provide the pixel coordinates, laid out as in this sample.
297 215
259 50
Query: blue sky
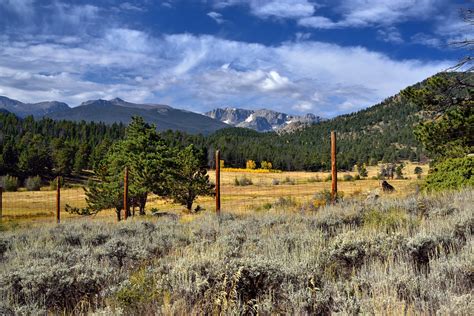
296 56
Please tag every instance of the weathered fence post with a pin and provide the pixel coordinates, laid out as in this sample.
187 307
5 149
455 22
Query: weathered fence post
125 193
333 168
58 199
218 182
1 202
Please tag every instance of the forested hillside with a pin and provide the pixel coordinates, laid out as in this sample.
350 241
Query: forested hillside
45 147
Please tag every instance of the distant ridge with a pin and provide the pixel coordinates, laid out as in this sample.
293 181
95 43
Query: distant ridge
118 110
36 109
115 111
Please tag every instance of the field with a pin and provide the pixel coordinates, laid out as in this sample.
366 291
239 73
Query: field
394 256
299 187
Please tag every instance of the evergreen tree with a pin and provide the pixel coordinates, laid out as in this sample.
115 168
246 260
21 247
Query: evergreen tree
148 160
190 178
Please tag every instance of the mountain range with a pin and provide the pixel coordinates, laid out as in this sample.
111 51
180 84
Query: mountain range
163 116
115 111
262 120
36 109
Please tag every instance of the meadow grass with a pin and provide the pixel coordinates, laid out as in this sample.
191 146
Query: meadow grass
392 256
24 206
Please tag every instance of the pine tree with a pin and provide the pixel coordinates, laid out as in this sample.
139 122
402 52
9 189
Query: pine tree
190 178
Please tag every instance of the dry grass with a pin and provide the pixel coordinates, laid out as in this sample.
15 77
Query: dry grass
25 206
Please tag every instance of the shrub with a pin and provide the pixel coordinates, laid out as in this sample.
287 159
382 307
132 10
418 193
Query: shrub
418 171
33 183
346 253
250 164
275 182
57 284
453 173
347 177
289 181
325 196
314 179
283 202
388 221
9 183
243 181
4 246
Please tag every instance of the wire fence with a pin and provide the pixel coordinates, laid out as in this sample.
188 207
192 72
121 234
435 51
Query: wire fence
238 190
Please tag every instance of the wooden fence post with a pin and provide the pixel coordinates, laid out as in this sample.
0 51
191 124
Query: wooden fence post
1 202
125 193
58 199
333 168
218 182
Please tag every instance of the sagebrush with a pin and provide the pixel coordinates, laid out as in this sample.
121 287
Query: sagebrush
410 256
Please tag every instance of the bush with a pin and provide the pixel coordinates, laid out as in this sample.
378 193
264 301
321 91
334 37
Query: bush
33 183
283 202
243 181
453 173
275 182
289 180
57 284
347 177
314 179
9 183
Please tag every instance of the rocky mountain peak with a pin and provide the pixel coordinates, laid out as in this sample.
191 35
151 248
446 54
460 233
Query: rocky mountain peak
262 120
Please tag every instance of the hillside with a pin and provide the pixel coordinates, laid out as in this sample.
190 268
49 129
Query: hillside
383 132
163 116
262 120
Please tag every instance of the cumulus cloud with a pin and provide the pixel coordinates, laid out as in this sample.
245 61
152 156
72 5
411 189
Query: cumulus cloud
201 72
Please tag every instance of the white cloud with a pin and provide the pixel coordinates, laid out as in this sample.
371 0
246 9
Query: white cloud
131 7
201 72
426 39
23 8
318 22
216 17
276 8
284 8
362 13
390 35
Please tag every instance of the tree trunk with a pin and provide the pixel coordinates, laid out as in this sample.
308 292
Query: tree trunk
142 203
189 205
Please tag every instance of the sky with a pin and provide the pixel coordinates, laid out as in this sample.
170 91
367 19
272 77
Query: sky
327 57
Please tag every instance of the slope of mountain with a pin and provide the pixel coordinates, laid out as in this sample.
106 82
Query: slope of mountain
118 110
383 132
36 109
262 120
